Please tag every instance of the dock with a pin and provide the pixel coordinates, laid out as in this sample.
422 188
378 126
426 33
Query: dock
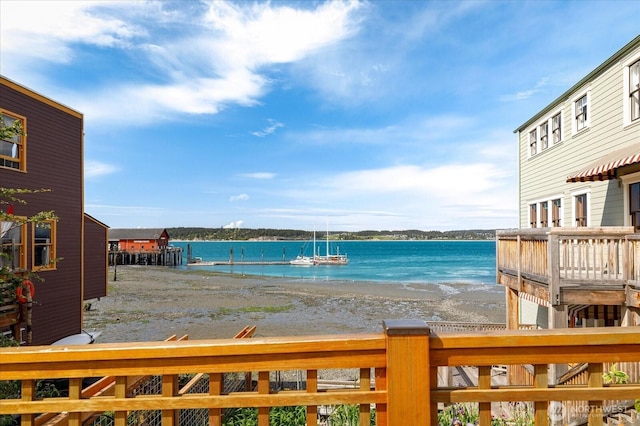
233 263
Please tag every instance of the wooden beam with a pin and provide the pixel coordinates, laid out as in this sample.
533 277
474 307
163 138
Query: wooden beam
581 296
632 296
535 289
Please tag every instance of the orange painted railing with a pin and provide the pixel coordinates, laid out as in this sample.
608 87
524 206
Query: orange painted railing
403 388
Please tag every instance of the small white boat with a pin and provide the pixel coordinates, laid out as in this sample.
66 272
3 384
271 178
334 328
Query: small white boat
302 261
84 338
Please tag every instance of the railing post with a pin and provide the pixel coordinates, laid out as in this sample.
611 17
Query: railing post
595 380
216 387
408 375
28 391
519 257
553 263
312 387
170 389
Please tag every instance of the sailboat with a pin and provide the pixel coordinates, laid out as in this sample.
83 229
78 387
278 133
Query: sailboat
328 258
301 259
317 259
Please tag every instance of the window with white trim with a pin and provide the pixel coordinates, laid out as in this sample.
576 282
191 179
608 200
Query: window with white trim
632 93
540 138
556 212
533 215
634 205
581 113
556 127
581 209
544 135
545 213
533 142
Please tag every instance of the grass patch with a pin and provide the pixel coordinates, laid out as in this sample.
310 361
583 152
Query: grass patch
256 309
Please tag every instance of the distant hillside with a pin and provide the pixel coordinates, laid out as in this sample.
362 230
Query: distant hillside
293 234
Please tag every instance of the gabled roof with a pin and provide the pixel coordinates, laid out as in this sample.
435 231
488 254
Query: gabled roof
136 234
600 69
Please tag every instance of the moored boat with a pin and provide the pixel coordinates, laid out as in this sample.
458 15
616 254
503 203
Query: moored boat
328 258
302 261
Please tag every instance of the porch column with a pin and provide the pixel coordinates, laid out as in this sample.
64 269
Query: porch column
513 309
558 318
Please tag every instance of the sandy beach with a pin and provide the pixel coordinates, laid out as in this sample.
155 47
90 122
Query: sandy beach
148 303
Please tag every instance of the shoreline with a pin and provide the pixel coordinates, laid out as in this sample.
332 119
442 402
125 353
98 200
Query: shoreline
150 303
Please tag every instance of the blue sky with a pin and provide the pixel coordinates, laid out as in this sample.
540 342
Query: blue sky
382 115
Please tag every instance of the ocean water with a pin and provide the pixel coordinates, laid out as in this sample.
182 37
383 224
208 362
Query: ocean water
403 262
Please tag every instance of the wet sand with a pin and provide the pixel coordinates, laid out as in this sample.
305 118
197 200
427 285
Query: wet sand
149 303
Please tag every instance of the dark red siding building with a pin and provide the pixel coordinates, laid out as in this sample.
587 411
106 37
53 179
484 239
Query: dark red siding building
50 156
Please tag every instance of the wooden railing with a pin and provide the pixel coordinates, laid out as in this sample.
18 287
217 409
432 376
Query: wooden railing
579 375
404 360
608 257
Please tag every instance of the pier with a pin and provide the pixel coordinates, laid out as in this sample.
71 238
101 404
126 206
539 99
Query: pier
197 261
193 262
169 256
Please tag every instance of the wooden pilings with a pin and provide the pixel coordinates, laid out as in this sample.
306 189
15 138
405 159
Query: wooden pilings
166 257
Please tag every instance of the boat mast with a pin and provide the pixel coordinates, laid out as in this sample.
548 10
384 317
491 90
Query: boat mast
327 253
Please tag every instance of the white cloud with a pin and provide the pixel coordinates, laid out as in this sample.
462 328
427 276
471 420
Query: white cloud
263 34
258 175
273 126
526 94
200 69
233 225
46 29
125 211
96 168
239 197
447 181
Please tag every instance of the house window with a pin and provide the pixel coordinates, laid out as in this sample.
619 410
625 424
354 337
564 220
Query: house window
533 141
544 138
581 209
12 147
544 214
556 212
533 215
44 245
634 205
581 119
13 237
634 91
556 127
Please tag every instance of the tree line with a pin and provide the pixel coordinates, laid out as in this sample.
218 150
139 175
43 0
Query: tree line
268 234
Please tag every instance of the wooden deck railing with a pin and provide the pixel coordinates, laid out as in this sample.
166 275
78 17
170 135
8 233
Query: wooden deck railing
404 360
608 257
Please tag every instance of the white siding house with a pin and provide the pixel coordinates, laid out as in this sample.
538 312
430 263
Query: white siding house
575 259
564 149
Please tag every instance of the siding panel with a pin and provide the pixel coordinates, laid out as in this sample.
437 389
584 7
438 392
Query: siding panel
544 175
54 161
